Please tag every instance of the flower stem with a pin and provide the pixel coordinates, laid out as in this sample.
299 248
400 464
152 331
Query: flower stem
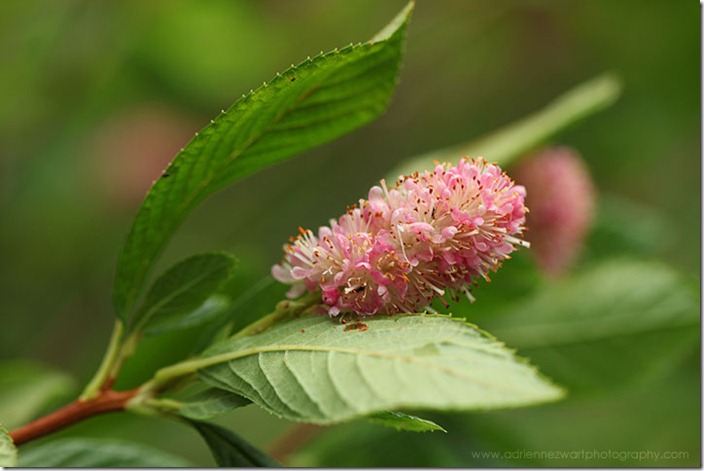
102 377
98 397
284 309
294 440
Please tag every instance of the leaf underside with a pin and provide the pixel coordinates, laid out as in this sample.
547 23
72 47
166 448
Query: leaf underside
8 452
316 370
312 103
212 402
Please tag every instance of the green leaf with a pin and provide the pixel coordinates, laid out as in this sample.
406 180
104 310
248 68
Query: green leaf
230 450
618 322
307 105
28 388
212 308
514 140
406 422
212 402
183 296
8 452
97 453
317 370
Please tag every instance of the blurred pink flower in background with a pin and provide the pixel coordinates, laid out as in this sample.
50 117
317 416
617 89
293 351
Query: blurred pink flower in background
132 148
562 200
406 245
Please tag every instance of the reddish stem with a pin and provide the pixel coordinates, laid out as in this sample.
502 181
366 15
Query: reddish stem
107 401
295 439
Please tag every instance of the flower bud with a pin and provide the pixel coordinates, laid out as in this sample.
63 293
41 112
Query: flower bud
562 202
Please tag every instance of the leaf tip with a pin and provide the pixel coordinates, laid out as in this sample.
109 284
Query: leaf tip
396 25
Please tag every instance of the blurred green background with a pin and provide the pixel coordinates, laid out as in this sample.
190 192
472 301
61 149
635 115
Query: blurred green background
97 97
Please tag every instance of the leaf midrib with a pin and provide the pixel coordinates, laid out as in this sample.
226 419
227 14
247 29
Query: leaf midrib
411 359
266 129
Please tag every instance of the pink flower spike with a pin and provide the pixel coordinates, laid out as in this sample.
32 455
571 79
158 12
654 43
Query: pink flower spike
563 200
426 237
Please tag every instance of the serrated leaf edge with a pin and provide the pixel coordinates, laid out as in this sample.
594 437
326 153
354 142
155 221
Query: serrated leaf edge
558 391
125 303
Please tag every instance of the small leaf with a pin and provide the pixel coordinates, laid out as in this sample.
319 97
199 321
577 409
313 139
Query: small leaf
406 422
97 453
313 369
28 388
305 106
246 307
212 308
212 402
183 296
230 450
8 452
361 443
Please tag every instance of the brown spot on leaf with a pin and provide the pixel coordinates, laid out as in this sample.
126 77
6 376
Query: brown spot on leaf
360 326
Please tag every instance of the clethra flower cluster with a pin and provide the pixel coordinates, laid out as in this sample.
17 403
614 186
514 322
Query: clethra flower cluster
562 200
427 237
